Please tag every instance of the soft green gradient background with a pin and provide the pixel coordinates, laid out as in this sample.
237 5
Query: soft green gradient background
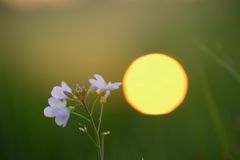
41 46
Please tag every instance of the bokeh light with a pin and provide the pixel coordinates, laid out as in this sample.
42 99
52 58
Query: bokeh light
155 84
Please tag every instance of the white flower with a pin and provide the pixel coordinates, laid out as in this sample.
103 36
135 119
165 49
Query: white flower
100 86
58 110
58 91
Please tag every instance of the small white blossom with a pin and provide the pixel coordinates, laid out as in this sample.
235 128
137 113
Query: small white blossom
58 91
58 110
100 86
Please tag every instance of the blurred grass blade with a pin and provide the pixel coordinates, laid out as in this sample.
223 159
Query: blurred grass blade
214 114
226 64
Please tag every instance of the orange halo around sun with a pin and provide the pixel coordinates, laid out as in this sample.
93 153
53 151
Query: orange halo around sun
155 84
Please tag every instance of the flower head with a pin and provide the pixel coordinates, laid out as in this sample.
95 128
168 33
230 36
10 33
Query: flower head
100 86
58 110
59 92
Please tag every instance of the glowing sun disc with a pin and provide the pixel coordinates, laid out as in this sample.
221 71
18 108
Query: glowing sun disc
155 84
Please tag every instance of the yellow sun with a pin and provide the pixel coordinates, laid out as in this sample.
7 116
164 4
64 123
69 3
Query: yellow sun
155 84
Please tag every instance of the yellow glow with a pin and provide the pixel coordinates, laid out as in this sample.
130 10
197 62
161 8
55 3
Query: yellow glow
155 84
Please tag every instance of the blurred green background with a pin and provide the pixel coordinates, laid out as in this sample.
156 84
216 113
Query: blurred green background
45 42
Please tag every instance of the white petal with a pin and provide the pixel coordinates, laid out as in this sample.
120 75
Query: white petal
57 92
93 88
100 78
95 84
113 86
65 87
62 117
56 102
49 112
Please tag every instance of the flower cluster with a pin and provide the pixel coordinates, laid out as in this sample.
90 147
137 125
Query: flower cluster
58 107
64 102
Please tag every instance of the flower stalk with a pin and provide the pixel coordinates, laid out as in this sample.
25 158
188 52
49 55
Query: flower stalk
59 109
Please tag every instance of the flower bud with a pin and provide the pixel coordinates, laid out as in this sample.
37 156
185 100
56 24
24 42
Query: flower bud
80 92
68 94
82 128
84 90
78 88
71 108
105 133
103 100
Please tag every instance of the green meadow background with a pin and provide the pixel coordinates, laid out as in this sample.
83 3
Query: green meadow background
43 44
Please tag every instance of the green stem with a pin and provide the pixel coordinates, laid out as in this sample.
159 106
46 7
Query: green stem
102 147
94 104
91 138
81 116
86 98
95 132
77 105
100 118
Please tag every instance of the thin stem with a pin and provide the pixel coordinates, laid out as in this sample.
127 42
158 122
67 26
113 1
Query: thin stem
95 129
81 116
86 98
94 104
102 147
100 118
76 105
91 138
95 132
